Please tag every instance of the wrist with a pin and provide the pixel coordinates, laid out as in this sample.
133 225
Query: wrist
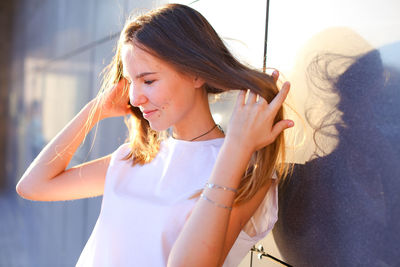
239 154
96 112
230 165
239 146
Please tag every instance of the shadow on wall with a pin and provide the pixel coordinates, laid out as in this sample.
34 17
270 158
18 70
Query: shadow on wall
342 208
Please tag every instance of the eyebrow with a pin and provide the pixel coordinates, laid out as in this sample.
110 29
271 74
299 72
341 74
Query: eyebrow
144 74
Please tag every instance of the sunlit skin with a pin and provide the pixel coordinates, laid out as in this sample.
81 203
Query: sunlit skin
165 96
168 99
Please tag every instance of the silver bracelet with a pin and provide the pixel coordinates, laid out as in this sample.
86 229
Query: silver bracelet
225 188
215 203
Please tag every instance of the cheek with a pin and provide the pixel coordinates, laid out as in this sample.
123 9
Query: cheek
175 104
163 97
165 104
173 96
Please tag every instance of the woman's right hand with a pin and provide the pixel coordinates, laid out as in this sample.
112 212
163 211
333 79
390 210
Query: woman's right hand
114 102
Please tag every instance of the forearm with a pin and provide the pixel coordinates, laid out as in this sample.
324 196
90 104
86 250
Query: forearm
203 236
57 154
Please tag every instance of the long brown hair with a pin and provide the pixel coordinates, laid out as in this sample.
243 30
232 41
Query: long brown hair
181 36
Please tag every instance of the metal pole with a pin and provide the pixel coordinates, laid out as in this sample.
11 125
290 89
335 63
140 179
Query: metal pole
266 37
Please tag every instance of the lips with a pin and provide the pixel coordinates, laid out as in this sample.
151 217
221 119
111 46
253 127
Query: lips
148 113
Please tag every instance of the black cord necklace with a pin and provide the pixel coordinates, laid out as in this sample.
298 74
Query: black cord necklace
204 133
216 125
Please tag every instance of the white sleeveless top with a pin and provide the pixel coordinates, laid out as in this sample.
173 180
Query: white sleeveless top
145 207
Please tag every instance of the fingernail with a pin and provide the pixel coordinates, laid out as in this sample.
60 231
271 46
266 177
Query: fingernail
290 123
275 72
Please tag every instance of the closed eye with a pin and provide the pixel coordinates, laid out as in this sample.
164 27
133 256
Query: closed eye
149 82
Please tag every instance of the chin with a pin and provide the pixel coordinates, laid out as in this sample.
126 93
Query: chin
159 126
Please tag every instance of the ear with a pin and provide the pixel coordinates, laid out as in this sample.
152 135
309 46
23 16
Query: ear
198 82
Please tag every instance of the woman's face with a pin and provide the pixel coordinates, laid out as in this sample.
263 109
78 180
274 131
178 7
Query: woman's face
164 96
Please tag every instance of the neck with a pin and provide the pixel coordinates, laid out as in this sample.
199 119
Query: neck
195 124
200 131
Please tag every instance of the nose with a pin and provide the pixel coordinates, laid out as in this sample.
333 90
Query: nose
136 96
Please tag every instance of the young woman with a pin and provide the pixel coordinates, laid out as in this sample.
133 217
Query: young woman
196 198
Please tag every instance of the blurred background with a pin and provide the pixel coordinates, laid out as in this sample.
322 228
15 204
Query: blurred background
340 207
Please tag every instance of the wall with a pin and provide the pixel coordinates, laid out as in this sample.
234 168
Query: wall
341 205
59 49
6 25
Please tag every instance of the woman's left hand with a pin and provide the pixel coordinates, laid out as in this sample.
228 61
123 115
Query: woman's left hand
252 124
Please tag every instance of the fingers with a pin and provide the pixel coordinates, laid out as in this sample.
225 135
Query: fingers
278 100
275 75
121 92
240 100
280 126
124 83
251 97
